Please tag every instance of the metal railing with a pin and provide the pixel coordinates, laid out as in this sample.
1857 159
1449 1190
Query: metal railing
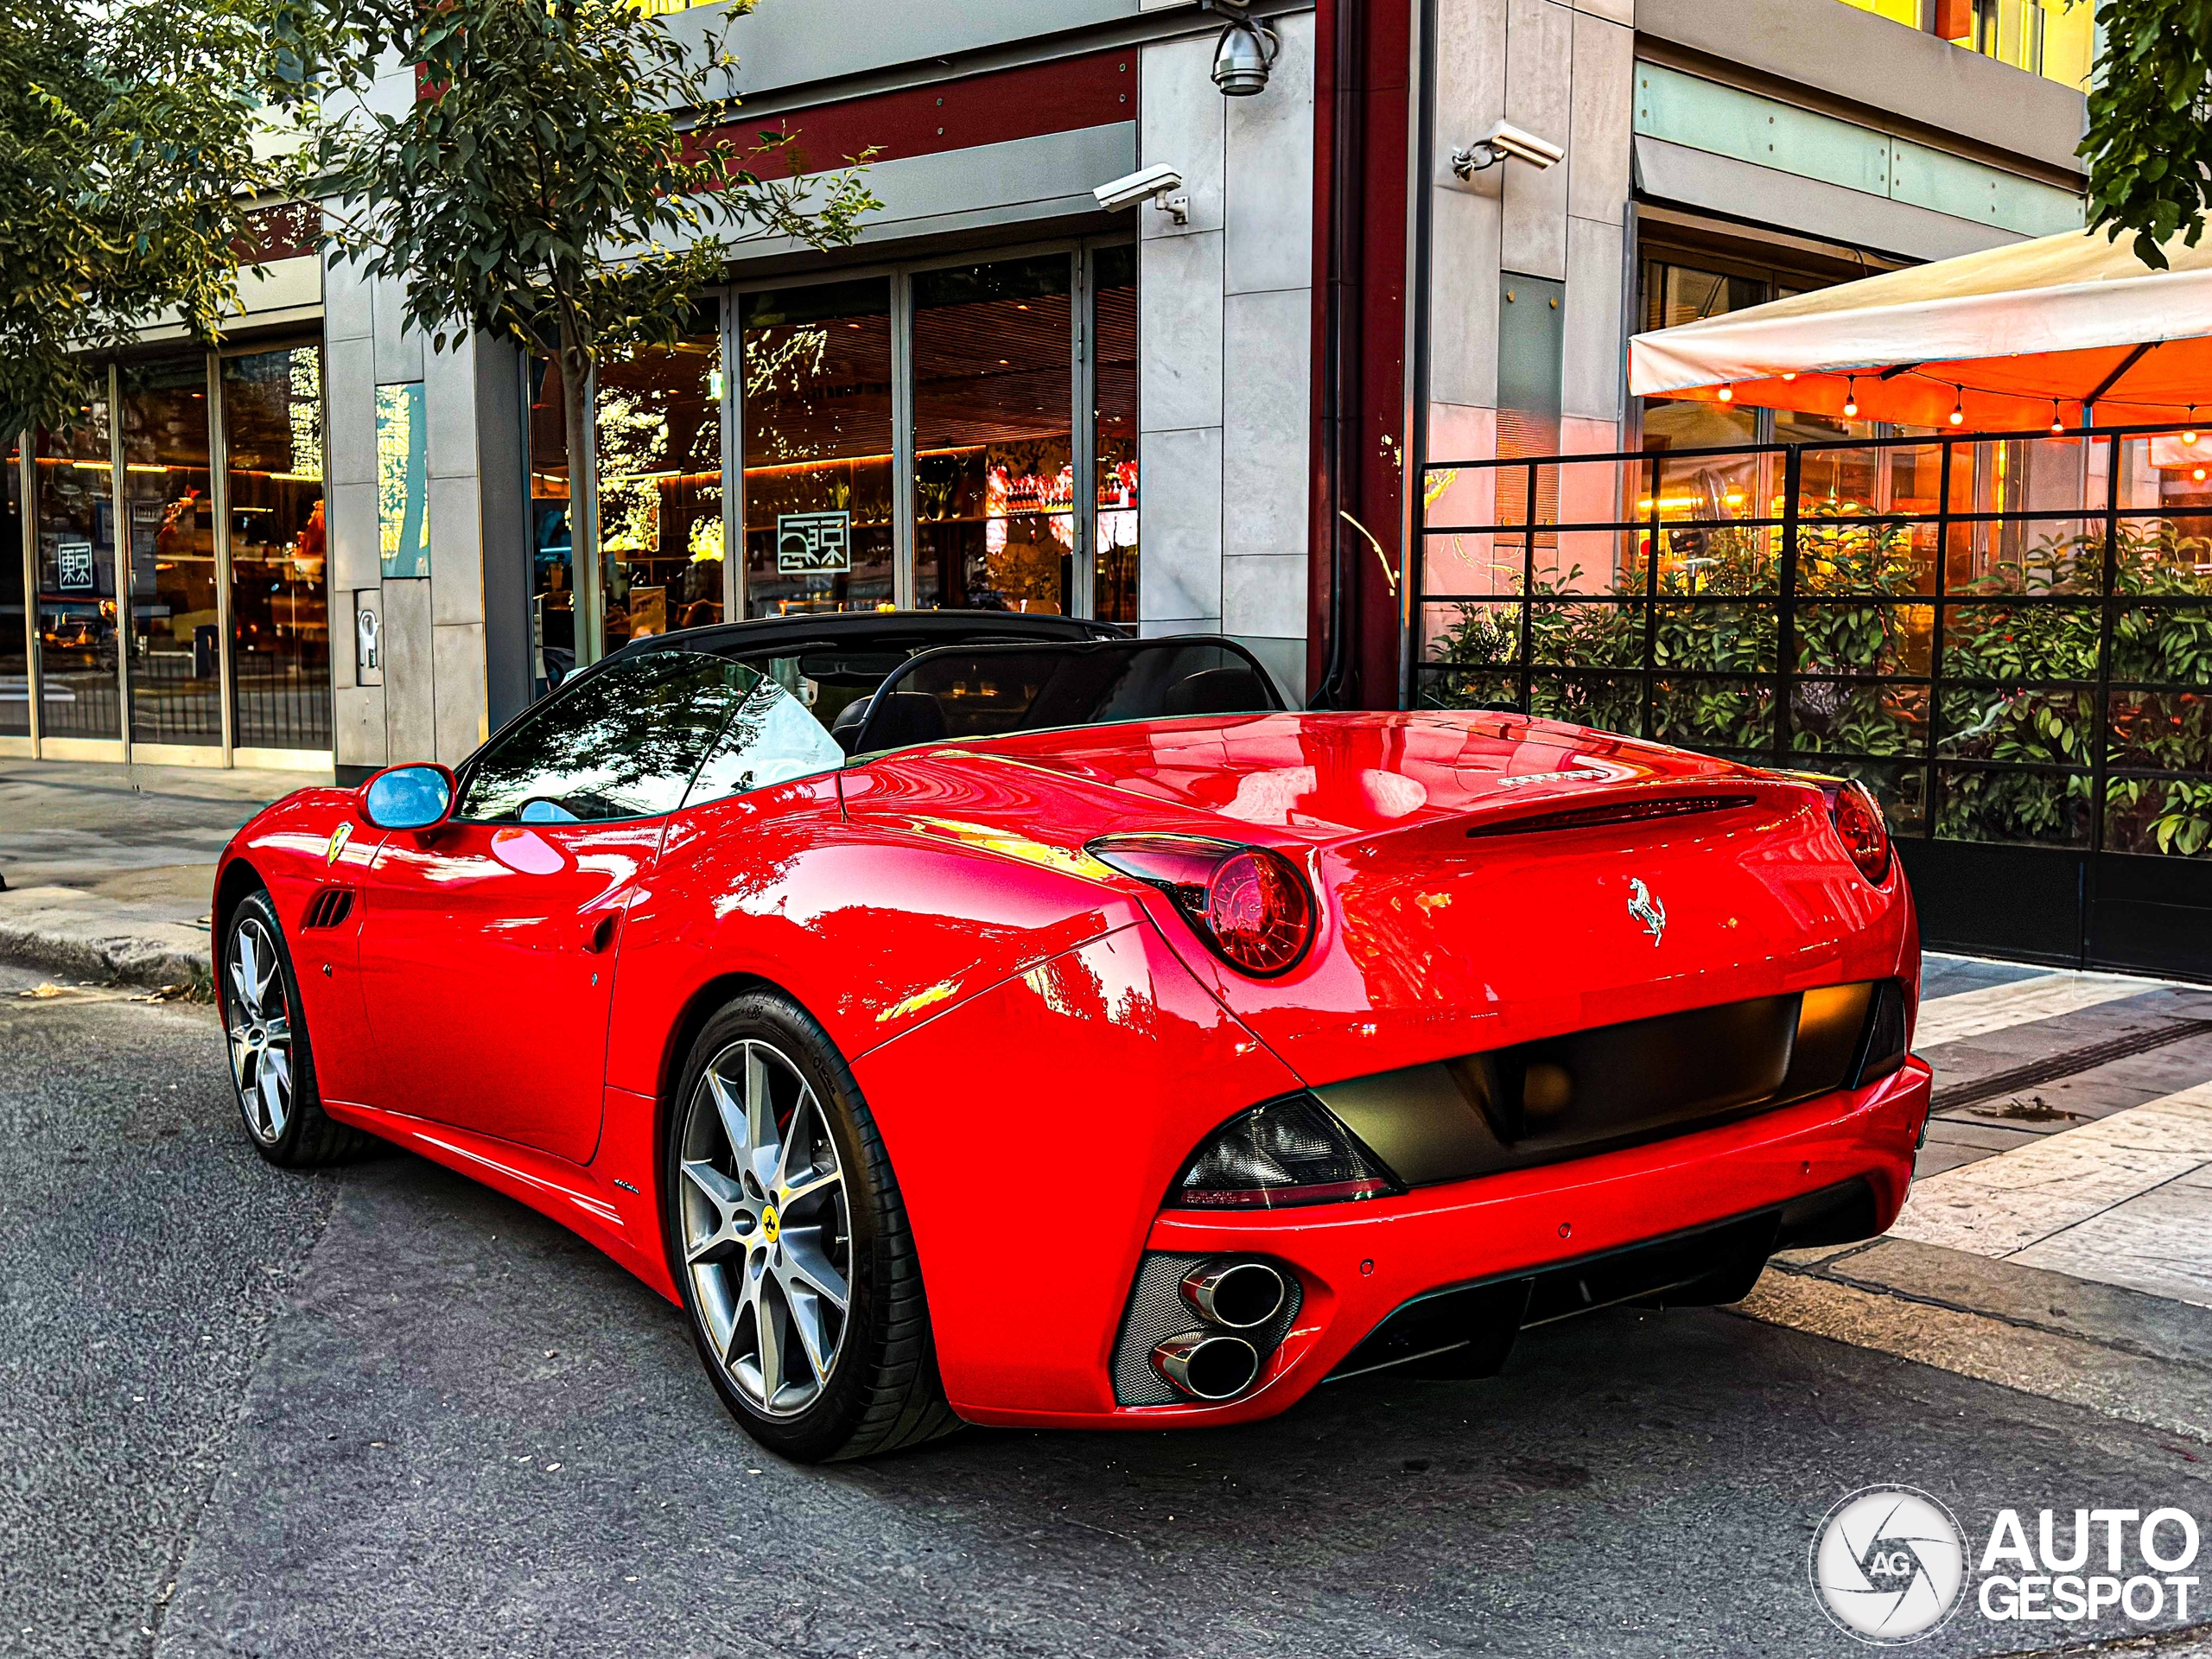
2008 637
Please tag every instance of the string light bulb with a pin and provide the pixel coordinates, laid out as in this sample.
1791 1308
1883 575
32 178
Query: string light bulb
1728 394
2189 436
1851 396
1959 407
2058 420
1790 374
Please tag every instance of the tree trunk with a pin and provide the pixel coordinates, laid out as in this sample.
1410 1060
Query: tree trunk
590 607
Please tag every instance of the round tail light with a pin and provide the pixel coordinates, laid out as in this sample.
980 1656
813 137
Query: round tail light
1249 905
1865 837
1258 913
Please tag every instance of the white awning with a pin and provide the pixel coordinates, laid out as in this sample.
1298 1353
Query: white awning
2013 336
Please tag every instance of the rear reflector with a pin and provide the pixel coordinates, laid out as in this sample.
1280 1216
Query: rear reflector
1631 811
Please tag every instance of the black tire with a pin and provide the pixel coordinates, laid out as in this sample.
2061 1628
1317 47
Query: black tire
308 1137
882 1392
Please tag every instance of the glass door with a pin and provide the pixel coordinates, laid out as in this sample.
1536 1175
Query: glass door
816 382
73 527
657 421
994 463
15 631
280 609
175 633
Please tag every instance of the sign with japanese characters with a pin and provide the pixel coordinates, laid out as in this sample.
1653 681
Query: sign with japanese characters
73 567
814 544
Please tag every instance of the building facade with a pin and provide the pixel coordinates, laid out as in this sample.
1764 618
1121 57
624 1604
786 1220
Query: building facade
330 546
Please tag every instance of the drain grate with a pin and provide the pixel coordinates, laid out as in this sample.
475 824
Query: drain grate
2056 1066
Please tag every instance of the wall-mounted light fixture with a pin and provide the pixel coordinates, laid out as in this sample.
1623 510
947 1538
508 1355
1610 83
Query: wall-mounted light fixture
1501 141
1245 54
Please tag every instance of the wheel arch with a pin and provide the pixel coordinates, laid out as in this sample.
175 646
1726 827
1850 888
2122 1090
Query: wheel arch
237 879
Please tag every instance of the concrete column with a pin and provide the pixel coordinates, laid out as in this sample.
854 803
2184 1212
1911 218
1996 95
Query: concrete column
1225 316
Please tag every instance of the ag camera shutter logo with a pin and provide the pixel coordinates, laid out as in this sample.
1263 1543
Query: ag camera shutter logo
1889 1565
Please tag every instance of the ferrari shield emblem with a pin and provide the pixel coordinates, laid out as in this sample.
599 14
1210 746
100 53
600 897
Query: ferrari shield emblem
1647 910
339 837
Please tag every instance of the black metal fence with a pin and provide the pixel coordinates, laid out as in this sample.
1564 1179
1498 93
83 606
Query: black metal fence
2008 637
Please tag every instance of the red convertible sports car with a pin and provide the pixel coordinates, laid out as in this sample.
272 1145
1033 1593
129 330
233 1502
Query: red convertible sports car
1061 1031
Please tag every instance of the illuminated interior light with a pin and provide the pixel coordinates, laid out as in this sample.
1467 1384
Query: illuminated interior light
2198 475
1851 396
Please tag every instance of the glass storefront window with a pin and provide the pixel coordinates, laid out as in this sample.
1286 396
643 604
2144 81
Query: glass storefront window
1673 294
993 465
175 662
815 363
658 425
75 528
280 613
1113 427
15 638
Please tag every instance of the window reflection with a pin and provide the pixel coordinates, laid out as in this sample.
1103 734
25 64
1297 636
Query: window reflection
15 638
994 470
175 666
658 423
74 552
816 367
280 614
1114 353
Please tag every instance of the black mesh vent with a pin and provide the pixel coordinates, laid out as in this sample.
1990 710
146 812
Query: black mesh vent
1157 1311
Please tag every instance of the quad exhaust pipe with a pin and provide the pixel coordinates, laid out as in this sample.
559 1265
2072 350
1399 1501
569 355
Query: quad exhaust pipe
1207 1365
1235 1297
1237 1294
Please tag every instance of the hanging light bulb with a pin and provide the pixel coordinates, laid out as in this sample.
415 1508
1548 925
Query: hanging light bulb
2198 475
1959 407
1851 396
2189 436
1728 394
1790 374
2057 422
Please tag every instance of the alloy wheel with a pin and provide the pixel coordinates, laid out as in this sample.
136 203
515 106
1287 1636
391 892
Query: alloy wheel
765 1225
260 1032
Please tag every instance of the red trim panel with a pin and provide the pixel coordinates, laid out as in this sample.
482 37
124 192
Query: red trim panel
1036 98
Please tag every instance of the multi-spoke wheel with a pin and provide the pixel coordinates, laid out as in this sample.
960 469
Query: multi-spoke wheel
789 1241
260 1017
767 1235
271 1061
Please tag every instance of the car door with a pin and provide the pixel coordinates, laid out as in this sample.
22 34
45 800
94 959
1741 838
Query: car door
489 945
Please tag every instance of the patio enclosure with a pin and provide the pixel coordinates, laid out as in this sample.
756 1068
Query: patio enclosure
2009 638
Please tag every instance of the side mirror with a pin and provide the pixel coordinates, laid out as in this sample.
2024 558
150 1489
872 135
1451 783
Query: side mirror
408 797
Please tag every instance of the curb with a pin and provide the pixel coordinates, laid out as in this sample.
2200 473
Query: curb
76 939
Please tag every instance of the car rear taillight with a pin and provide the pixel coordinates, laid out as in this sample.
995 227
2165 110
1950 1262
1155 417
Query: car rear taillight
1249 905
1859 820
1287 1153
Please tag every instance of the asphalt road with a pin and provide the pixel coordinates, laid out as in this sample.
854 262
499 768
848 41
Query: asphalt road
383 1411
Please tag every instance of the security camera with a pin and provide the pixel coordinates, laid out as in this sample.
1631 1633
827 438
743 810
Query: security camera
1161 183
1501 141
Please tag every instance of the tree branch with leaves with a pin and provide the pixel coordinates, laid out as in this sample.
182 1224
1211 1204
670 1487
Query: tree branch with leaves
2149 145
137 137
558 179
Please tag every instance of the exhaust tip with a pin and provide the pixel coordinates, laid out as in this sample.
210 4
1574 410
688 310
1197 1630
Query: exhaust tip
1207 1366
1238 1295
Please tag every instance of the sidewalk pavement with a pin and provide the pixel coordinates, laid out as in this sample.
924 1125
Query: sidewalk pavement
110 869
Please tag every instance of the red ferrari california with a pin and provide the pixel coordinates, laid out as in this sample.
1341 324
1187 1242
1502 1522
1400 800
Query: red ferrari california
1059 1031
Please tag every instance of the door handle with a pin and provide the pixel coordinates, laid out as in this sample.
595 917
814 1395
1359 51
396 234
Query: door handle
601 933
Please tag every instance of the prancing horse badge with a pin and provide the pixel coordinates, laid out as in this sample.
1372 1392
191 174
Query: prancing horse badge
1647 910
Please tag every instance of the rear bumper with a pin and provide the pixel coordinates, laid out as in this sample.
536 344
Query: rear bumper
1357 1263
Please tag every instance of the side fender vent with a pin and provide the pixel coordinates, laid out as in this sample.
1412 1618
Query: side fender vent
329 908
